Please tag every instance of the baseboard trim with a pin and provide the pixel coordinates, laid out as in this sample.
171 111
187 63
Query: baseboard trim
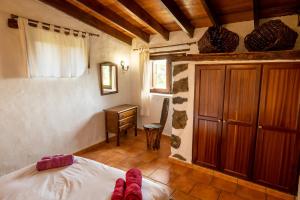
233 179
92 147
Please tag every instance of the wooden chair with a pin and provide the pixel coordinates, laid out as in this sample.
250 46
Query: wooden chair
154 130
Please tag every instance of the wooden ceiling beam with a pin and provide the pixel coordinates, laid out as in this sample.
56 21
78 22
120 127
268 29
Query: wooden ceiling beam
210 12
136 10
116 19
179 17
244 56
79 14
255 13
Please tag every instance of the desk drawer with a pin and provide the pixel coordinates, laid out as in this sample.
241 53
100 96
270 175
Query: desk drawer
127 113
126 126
127 120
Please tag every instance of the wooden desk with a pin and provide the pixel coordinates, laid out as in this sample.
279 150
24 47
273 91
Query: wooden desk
119 119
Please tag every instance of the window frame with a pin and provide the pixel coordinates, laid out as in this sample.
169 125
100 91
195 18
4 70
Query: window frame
168 89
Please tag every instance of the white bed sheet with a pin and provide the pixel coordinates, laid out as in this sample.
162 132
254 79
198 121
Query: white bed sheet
84 180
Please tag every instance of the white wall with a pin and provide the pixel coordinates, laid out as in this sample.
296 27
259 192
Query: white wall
50 116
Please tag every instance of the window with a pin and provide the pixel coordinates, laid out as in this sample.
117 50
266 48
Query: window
52 54
161 75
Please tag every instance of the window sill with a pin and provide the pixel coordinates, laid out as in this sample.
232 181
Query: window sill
160 94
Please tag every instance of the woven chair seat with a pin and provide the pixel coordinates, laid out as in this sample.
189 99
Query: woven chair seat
153 126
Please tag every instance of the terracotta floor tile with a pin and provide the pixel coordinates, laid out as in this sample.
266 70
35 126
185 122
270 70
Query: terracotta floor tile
147 168
198 176
116 157
178 169
248 193
177 195
183 184
205 192
131 162
134 152
269 197
252 185
195 183
162 163
224 185
117 165
280 195
148 156
229 196
163 176
170 190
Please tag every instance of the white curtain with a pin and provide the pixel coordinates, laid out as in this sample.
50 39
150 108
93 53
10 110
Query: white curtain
52 54
145 71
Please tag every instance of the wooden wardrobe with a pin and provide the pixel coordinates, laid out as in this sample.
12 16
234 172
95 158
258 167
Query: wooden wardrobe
247 121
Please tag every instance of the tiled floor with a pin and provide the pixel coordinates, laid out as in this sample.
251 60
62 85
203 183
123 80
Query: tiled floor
184 183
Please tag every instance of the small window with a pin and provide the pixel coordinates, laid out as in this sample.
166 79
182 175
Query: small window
161 75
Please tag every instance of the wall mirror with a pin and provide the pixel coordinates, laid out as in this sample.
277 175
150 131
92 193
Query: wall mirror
108 78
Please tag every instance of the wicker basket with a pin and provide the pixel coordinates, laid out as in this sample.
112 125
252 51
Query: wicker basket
218 40
271 36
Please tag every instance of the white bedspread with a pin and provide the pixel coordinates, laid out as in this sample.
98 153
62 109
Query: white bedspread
84 180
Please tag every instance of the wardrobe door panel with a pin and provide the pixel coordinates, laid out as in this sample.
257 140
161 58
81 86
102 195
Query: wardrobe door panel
237 149
242 90
208 136
208 109
210 92
240 118
280 96
277 146
275 154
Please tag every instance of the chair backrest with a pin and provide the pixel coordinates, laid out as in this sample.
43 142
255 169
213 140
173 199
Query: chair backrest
164 113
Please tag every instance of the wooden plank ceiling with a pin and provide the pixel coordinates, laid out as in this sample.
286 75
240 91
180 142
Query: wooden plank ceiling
127 19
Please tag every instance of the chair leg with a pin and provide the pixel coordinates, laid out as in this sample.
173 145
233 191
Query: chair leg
157 140
152 139
147 137
160 134
107 138
118 138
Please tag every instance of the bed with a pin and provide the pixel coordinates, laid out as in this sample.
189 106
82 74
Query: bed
84 180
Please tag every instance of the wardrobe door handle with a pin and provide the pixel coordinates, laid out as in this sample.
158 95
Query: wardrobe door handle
219 120
224 121
260 127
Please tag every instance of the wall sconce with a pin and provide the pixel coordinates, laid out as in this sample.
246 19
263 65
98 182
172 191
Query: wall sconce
124 67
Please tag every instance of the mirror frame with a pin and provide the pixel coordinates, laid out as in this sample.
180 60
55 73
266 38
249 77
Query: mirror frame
111 64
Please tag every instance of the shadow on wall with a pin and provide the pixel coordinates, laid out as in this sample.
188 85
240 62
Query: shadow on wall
91 133
12 72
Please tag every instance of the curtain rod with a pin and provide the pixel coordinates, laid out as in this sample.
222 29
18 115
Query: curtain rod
172 51
56 26
172 45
